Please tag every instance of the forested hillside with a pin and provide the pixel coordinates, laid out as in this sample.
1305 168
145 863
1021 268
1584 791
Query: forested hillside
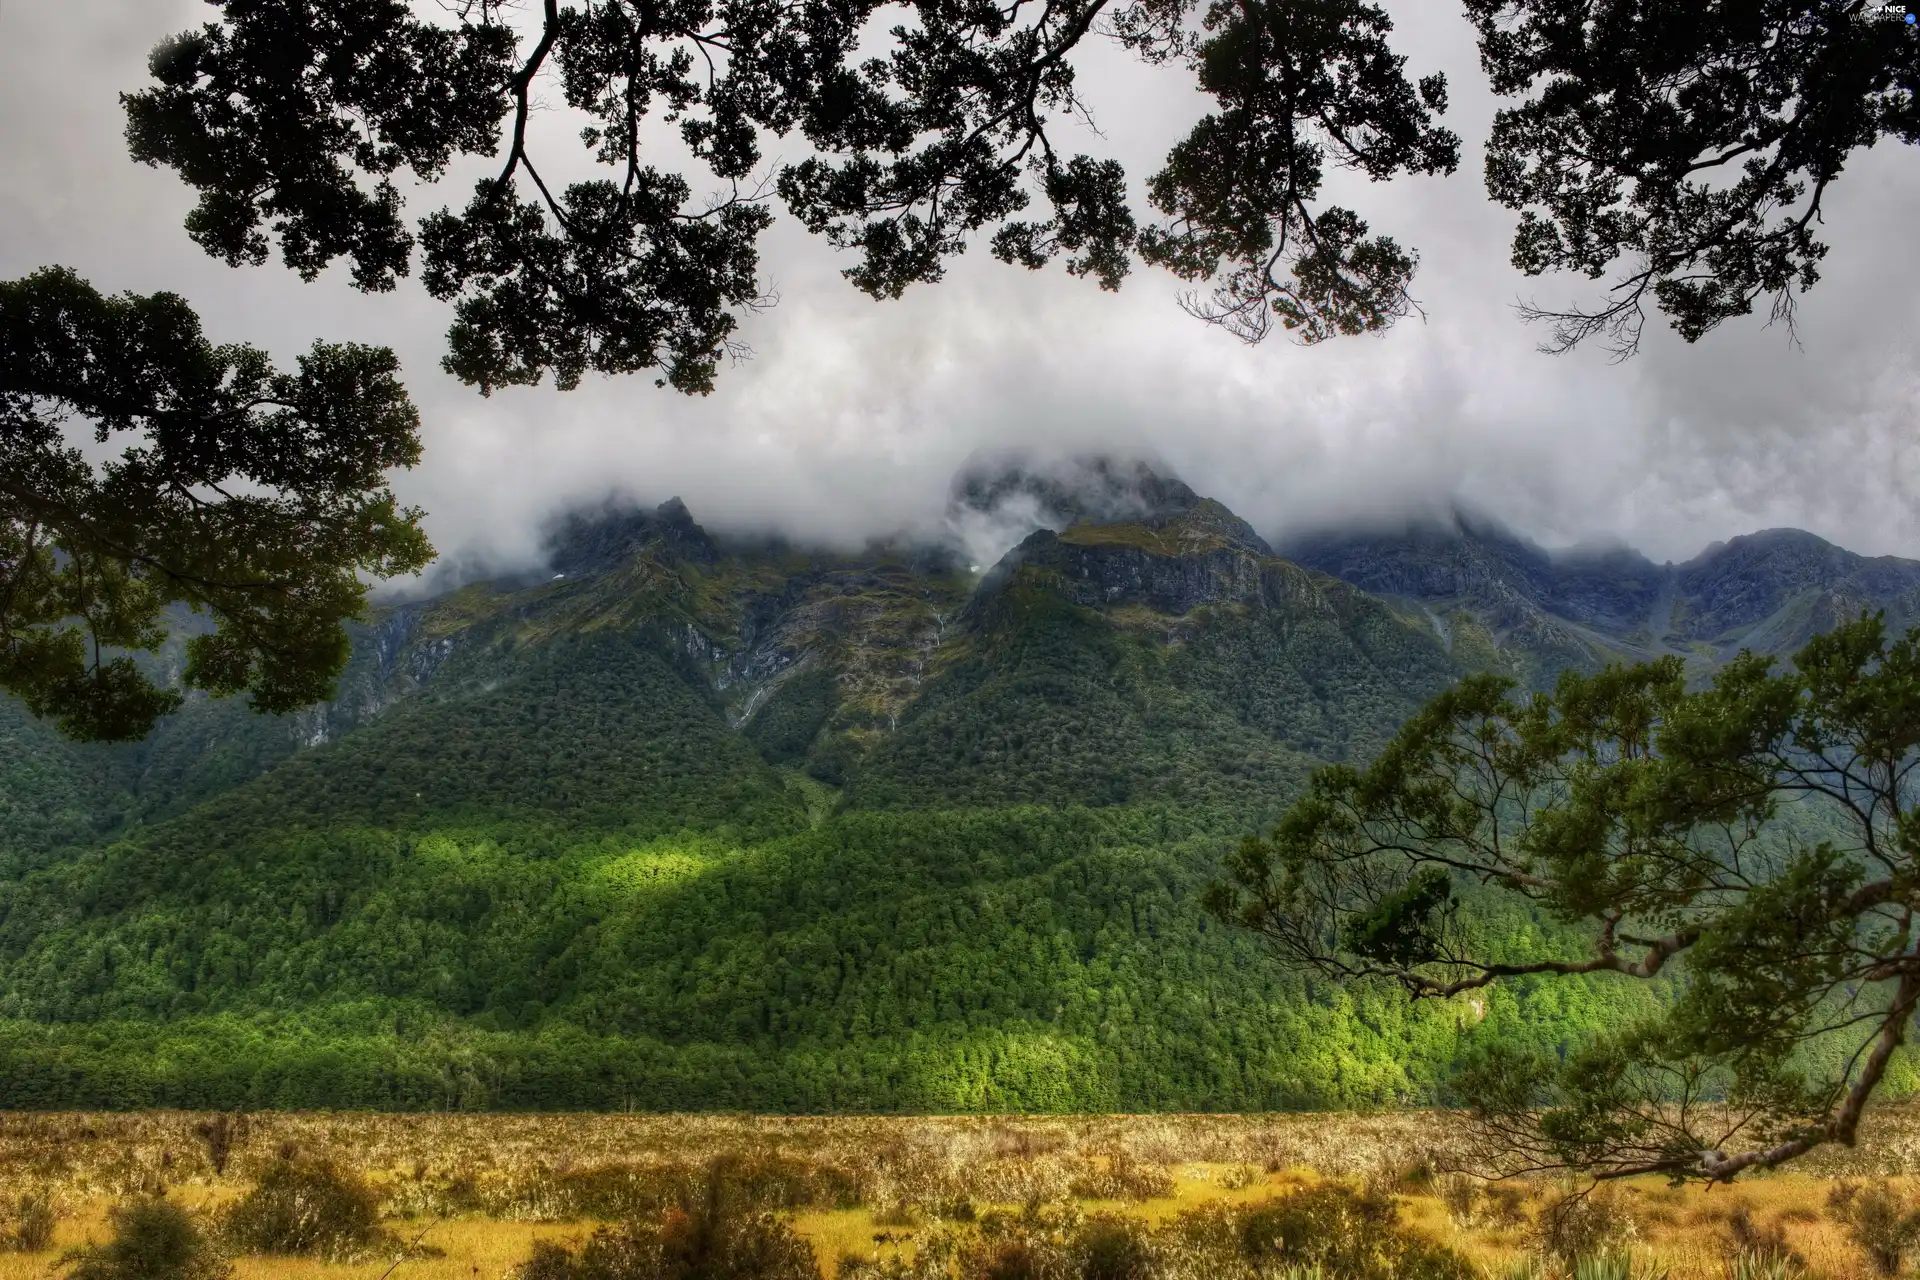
691 823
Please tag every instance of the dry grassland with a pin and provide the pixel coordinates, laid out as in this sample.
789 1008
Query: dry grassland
476 1190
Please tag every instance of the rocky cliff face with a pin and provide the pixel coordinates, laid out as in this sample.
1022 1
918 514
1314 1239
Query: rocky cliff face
1785 585
1172 563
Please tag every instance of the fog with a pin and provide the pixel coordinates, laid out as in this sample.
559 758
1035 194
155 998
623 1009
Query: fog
852 415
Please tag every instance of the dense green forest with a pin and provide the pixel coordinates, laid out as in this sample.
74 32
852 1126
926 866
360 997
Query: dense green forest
701 827
579 889
1020 959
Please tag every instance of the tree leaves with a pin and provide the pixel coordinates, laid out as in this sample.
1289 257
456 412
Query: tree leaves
1756 836
293 118
254 495
1695 141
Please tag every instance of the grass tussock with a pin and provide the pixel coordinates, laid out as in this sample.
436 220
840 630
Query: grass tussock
31 1218
1882 1221
1094 1198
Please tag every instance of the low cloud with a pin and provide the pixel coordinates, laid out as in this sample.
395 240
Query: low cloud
853 416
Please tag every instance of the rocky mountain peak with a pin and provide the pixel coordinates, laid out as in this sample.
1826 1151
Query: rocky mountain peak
997 500
1075 489
592 540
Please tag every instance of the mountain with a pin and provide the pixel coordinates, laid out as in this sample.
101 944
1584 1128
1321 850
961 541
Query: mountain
687 820
1499 601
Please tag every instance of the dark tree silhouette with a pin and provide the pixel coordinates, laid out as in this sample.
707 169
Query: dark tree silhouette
292 117
253 495
1686 145
1696 142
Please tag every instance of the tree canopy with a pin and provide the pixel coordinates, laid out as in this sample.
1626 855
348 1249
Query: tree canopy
1754 845
1685 146
253 495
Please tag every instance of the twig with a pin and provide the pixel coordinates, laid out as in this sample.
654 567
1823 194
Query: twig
415 1244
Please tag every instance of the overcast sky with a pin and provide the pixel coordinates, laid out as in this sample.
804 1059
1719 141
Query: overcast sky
853 415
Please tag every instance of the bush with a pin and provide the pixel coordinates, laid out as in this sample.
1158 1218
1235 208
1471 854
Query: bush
1756 1252
152 1240
220 1134
1113 1249
719 1236
307 1207
1352 1234
34 1219
1879 1222
1602 1266
1461 1195
1585 1224
1765 1266
1125 1177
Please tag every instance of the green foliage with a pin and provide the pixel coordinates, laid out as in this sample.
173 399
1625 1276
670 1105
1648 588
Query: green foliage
527 861
1758 832
946 961
90 557
1401 930
791 722
152 1240
1055 701
303 1206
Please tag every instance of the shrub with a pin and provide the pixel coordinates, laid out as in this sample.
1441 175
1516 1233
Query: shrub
929 1262
307 1207
1765 1266
1504 1204
1879 1222
717 1237
1602 1266
1024 1260
34 1219
1754 1249
1460 1194
1240 1176
220 1134
1113 1249
1125 1177
152 1240
1329 1228
1585 1224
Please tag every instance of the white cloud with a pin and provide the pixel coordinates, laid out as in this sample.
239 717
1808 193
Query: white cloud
854 414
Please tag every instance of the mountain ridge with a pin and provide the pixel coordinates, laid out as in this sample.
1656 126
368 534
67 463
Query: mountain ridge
689 820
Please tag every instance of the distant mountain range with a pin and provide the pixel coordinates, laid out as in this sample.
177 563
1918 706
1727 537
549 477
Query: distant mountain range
1501 601
687 820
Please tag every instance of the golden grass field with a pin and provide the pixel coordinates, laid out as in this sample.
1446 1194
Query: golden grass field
481 1188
